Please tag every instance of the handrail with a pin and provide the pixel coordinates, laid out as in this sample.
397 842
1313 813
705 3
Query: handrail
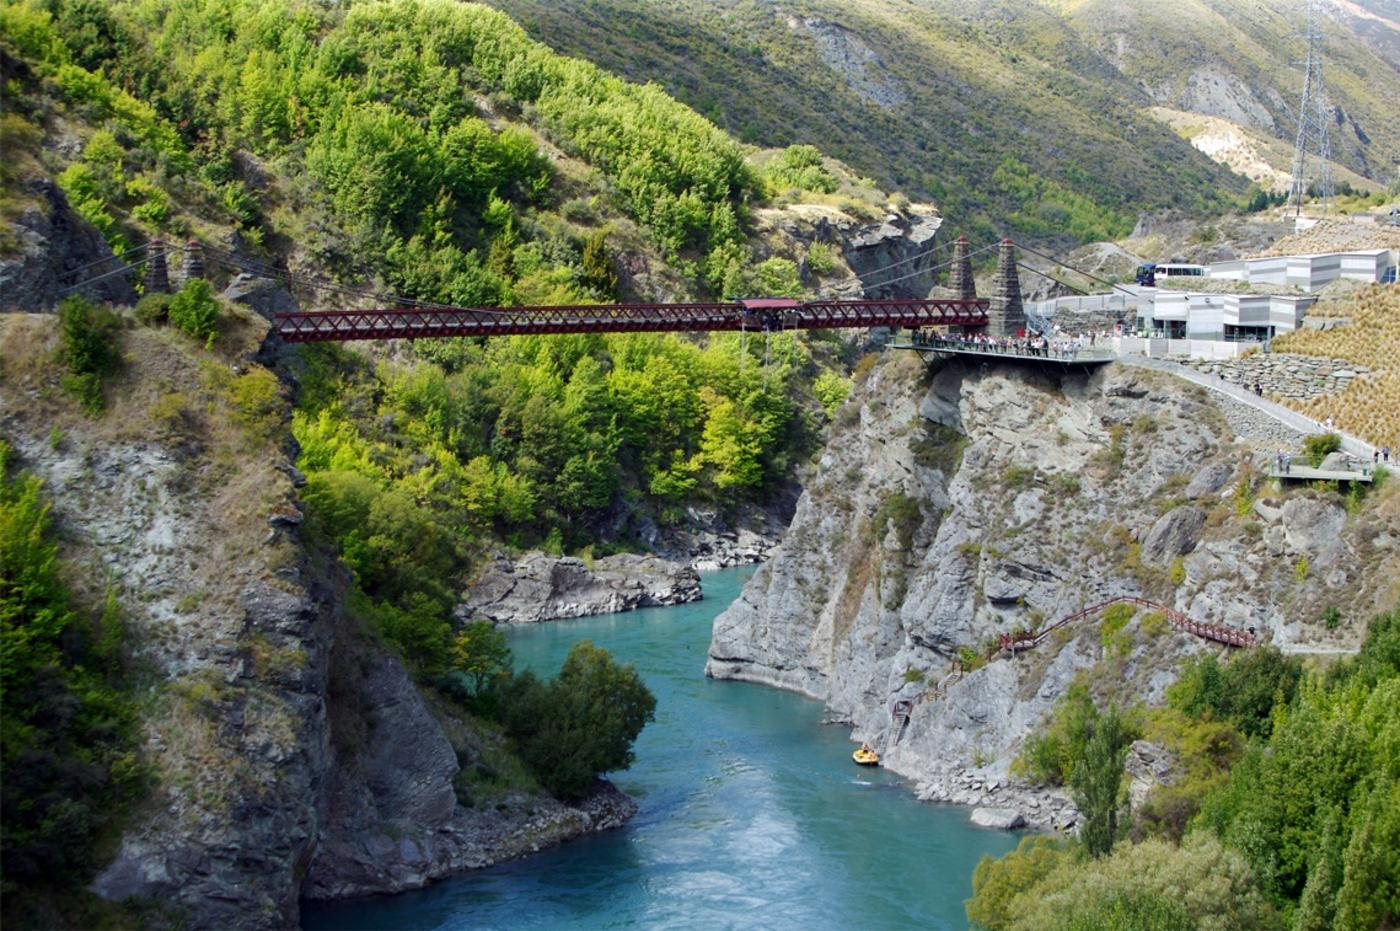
1219 633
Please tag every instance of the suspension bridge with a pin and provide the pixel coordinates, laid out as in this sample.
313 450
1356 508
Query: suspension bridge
394 317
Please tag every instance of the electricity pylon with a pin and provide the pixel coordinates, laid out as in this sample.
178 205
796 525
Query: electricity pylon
1313 118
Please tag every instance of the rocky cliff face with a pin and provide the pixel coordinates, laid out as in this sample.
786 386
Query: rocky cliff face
962 502
292 755
56 249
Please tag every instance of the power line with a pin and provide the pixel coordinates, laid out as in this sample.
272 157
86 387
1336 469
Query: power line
120 271
1063 284
1077 271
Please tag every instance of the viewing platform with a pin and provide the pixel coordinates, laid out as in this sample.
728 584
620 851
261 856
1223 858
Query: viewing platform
1016 349
1302 473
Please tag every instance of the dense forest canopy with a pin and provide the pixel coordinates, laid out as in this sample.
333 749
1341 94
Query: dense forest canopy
431 147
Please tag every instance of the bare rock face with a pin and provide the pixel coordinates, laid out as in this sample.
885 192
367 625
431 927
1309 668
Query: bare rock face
960 502
1312 526
1209 480
1174 534
57 248
539 587
394 815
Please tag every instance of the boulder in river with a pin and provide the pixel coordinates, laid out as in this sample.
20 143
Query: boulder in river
1002 819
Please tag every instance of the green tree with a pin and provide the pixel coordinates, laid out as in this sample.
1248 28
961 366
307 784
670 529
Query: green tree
479 652
196 311
598 273
998 880
88 335
581 724
68 763
1097 777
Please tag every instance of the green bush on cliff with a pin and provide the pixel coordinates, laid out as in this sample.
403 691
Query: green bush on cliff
195 310
68 768
88 335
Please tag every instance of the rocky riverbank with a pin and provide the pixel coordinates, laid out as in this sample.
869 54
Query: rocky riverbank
538 587
512 827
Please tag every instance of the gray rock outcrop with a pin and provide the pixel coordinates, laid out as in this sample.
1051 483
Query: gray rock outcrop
894 258
538 587
57 248
1174 534
955 504
1148 765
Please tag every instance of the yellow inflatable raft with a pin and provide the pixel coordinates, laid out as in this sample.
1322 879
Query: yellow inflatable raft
865 756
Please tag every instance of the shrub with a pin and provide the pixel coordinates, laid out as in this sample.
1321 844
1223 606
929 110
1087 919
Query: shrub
68 767
1178 571
479 651
88 334
1151 886
831 390
1244 496
196 311
1319 446
998 881
1243 692
800 167
821 258
1114 620
153 309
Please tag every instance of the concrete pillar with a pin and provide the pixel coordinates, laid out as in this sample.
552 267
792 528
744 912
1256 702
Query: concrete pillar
1006 315
157 274
960 279
194 261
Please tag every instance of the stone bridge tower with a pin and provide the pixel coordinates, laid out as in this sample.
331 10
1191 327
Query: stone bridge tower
1006 316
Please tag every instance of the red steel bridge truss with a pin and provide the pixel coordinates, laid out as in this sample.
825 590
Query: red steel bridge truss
757 314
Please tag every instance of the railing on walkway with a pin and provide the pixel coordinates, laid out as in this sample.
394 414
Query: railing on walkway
1028 350
1219 633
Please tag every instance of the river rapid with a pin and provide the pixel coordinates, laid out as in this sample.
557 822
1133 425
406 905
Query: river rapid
752 814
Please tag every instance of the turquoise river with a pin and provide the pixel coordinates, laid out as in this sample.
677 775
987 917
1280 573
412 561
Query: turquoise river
752 815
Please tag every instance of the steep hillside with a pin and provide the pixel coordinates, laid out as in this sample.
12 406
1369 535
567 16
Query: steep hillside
1007 112
999 112
277 736
1240 62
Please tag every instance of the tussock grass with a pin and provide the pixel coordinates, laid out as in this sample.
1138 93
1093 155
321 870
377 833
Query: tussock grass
1370 406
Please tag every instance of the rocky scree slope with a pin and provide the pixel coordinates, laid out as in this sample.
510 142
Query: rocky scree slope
966 501
293 756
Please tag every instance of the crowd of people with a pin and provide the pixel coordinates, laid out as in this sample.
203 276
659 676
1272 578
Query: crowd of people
1056 345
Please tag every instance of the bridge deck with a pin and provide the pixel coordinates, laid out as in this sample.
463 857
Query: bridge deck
969 348
755 315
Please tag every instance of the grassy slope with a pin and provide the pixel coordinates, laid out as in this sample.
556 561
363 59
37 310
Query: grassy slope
1003 80
1370 407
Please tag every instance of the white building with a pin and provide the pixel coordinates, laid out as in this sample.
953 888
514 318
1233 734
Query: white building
1309 272
1174 314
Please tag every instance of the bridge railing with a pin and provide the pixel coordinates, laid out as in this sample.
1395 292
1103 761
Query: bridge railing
419 322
